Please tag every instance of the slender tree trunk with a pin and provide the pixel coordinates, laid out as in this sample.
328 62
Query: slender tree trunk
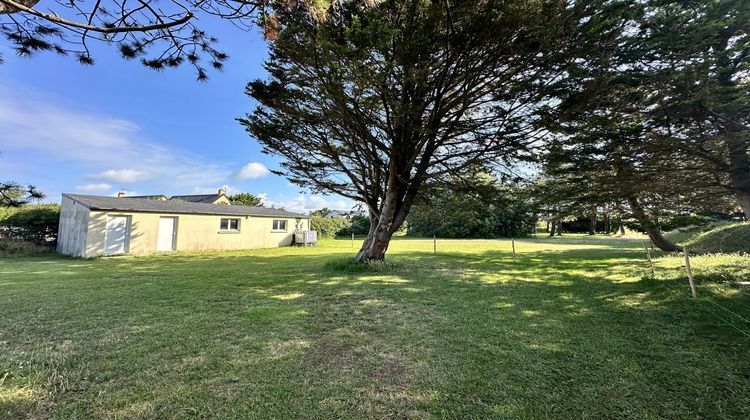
546 230
739 170
622 228
607 224
651 228
592 221
559 227
552 228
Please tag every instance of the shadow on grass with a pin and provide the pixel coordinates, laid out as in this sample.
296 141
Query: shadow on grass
557 333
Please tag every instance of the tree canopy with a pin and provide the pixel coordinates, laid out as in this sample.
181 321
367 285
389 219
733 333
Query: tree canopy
378 99
13 194
659 120
246 199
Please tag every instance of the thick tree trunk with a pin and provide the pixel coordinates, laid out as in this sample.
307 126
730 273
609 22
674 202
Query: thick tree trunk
651 228
559 227
552 227
739 170
622 228
392 213
378 238
546 230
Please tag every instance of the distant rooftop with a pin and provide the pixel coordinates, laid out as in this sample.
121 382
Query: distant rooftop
197 198
98 202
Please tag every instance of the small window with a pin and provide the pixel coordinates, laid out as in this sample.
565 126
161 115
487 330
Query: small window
229 225
279 225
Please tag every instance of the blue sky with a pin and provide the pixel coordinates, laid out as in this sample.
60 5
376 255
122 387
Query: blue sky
117 126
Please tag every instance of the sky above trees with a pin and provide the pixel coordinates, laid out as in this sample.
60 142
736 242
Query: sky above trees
117 126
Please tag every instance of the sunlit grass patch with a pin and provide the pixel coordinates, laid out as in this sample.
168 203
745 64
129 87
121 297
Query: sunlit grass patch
574 327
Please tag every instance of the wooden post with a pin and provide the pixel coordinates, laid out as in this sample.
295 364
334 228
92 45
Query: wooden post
648 256
352 239
434 244
689 271
513 245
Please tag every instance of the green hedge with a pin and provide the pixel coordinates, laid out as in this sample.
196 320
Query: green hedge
339 226
33 223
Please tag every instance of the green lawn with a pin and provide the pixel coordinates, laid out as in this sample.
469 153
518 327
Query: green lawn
574 328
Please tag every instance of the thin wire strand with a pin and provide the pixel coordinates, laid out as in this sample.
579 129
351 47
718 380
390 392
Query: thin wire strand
728 310
728 323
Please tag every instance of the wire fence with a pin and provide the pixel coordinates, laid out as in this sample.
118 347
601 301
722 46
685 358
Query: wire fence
704 297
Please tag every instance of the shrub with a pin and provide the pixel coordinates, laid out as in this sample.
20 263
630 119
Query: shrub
31 223
358 225
329 227
20 247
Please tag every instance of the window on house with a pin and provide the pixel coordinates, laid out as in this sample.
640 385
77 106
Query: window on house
229 225
279 225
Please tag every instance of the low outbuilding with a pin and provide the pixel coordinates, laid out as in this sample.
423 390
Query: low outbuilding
93 225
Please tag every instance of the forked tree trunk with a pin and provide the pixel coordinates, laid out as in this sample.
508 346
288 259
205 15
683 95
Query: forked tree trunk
740 168
392 214
377 241
651 228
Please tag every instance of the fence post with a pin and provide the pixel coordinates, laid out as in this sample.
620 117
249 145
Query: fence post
689 271
648 256
434 244
513 245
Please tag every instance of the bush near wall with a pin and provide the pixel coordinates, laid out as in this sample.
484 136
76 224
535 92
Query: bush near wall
36 224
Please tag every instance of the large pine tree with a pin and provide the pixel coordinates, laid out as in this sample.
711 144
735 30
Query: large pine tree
372 101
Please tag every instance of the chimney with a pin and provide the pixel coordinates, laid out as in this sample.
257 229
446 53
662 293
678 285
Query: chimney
222 191
120 194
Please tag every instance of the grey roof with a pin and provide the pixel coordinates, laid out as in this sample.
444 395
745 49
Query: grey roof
150 197
337 213
98 202
197 198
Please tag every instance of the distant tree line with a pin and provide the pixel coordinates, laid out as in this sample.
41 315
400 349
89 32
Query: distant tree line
473 206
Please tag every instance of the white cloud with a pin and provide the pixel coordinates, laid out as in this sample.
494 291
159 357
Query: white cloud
252 170
305 203
94 188
121 175
29 123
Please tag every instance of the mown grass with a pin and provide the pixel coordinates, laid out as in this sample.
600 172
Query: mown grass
575 327
726 239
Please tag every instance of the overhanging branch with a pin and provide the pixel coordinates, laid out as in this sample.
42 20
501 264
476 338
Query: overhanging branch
104 30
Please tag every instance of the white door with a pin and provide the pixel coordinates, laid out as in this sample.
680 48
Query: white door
167 237
117 235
